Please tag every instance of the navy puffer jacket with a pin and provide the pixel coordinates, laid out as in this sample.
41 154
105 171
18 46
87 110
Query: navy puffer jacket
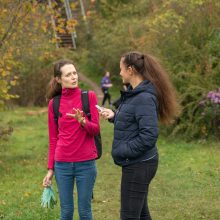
136 125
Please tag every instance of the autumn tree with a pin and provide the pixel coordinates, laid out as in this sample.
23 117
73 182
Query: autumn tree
28 39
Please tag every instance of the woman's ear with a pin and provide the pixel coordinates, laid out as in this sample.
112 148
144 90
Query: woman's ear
58 79
130 70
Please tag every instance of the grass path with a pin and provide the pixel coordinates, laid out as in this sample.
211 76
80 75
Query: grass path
186 187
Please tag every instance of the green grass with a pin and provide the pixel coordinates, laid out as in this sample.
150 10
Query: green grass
186 187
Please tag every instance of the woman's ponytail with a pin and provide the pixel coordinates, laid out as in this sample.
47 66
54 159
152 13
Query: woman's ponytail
151 69
53 89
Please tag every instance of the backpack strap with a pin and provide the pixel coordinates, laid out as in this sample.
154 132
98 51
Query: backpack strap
56 105
85 103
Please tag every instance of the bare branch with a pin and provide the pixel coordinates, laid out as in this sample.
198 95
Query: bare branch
14 22
5 35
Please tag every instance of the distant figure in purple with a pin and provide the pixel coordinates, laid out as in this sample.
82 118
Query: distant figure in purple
106 84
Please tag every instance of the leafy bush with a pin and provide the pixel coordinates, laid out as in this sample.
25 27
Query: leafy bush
209 114
5 131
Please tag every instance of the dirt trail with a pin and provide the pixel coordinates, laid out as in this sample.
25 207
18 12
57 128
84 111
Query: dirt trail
93 85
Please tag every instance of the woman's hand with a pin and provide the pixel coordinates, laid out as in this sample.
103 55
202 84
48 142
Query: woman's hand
78 115
107 113
47 181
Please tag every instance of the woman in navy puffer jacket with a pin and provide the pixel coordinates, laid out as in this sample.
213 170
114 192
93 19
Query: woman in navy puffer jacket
149 98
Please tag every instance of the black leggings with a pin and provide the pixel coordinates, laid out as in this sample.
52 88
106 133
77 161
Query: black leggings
134 189
106 96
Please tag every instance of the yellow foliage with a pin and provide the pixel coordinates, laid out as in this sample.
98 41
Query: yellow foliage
13 82
166 20
4 73
204 130
73 5
60 30
71 24
44 27
20 24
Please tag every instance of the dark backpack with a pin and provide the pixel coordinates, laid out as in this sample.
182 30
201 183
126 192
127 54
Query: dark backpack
86 109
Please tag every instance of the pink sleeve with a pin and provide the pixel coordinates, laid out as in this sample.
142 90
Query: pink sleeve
92 127
52 132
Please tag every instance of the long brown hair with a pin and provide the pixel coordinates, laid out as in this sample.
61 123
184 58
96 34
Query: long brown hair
150 68
54 88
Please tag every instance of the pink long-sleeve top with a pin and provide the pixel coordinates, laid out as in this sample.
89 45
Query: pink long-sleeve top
72 142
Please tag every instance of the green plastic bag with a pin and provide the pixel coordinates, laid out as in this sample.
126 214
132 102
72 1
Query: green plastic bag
48 199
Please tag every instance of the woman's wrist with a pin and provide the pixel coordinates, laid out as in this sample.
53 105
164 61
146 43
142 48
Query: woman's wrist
50 171
83 121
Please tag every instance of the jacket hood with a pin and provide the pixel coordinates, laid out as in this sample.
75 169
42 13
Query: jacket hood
144 86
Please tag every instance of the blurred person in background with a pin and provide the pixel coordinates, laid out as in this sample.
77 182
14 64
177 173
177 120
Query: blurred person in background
105 85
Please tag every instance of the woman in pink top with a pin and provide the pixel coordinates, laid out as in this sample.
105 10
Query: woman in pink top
72 150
